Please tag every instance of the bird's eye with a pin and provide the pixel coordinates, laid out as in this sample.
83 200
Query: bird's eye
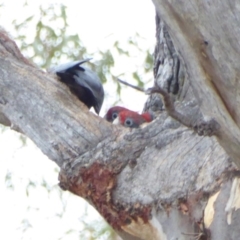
114 115
128 122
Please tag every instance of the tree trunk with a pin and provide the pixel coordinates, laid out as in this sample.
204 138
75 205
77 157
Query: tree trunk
206 35
161 181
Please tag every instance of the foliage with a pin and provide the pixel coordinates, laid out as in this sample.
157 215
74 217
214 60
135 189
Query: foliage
52 44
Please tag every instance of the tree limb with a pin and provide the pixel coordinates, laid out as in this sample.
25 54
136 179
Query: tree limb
211 55
205 128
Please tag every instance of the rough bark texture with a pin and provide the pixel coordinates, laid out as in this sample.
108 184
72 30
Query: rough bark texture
161 181
206 35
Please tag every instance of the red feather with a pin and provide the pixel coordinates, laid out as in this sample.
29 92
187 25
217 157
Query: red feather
127 117
130 118
147 116
111 111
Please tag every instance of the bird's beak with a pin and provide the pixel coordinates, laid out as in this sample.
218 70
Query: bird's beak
97 109
116 121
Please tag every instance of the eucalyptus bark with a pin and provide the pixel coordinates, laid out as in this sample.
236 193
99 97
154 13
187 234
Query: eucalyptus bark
206 35
161 181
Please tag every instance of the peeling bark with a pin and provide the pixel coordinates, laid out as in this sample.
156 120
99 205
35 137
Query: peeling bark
161 181
206 35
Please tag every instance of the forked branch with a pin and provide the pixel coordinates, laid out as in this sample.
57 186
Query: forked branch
202 127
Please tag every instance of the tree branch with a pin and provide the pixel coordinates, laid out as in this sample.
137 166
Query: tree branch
210 57
203 128
43 109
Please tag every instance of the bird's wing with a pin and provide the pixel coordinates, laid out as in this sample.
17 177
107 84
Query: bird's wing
68 66
90 80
